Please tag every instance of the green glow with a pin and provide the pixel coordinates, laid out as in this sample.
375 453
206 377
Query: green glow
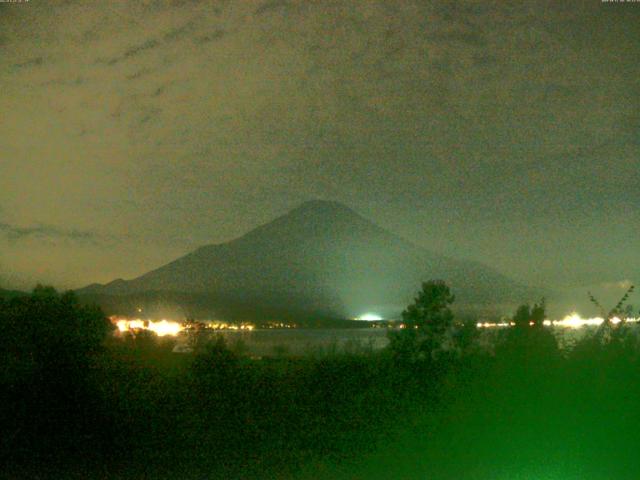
370 317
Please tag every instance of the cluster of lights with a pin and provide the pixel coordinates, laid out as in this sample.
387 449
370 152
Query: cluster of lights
161 328
494 325
280 325
573 320
228 326
164 327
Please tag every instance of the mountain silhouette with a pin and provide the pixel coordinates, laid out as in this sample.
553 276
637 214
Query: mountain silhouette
320 258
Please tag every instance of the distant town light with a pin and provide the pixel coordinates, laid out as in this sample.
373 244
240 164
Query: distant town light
574 320
161 328
164 327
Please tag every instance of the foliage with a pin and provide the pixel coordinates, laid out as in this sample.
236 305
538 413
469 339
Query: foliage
430 309
426 321
130 408
618 310
522 316
608 332
528 342
526 314
539 313
47 330
47 349
465 336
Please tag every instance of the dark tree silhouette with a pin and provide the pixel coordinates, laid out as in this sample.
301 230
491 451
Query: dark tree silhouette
46 348
608 332
526 315
539 313
617 310
426 320
528 342
522 316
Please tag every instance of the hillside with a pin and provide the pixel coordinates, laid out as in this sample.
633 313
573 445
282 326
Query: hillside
320 258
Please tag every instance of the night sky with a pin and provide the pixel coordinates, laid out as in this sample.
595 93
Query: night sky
506 132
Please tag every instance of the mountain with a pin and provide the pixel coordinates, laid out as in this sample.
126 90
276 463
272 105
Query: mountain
321 258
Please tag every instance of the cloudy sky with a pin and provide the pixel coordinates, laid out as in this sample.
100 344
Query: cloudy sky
133 131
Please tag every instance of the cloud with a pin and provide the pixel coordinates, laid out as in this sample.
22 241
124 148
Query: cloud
130 52
270 6
16 233
143 72
211 36
179 32
452 120
30 63
619 285
474 39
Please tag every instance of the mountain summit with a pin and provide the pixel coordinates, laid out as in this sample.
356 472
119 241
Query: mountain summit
320 258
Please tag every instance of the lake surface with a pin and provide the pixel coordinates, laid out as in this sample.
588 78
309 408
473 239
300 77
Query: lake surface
300 341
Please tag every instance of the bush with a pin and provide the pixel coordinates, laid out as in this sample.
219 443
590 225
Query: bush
47 350
426 321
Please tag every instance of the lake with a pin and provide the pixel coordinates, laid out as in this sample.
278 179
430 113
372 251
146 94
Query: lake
301 341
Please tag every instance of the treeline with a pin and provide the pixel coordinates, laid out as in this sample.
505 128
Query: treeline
78 402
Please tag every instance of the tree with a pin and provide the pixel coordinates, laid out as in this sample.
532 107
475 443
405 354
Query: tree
617 311
627 312
426 320
48 346
525 314
528 342
522 316
466 335
539 313
50 332
608 332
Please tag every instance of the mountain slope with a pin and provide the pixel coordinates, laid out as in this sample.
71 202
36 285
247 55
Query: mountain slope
320 257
